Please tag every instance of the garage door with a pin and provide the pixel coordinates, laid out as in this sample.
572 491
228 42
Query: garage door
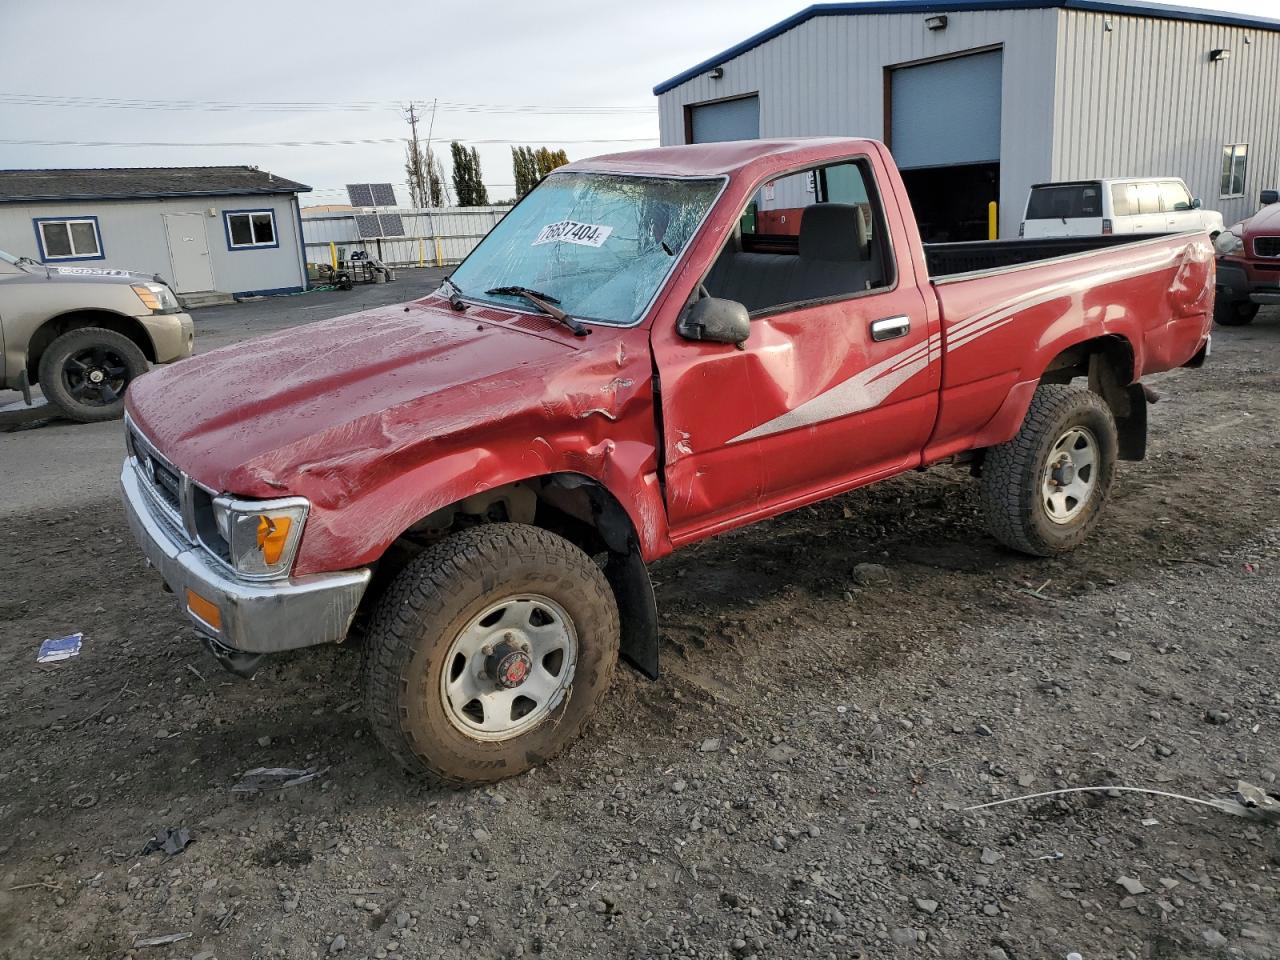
946 112
727 120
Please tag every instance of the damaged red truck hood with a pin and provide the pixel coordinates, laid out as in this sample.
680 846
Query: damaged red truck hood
309 410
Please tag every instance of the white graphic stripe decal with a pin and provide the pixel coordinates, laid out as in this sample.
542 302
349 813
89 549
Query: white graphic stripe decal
871 387
971 328
862 391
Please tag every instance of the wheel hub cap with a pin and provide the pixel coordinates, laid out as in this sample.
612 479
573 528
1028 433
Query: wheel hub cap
508 665
95 376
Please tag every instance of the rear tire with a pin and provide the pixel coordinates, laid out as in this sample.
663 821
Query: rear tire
445 681
85 373
1043 491
1233 313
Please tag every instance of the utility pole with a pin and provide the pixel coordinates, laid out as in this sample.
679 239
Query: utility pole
434 171
414 165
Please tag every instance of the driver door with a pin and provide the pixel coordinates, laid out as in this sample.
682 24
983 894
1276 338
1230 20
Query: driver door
838 382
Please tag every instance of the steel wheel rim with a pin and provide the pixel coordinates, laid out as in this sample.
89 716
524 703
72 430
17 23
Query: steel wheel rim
95 376
1070 475
473 698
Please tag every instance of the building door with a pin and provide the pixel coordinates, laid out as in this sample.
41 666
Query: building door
188 252
944 133
737 119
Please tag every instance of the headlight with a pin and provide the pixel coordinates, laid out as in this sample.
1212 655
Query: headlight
1228 242
259 537
156 297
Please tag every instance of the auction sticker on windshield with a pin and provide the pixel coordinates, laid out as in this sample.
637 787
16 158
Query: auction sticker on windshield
571 231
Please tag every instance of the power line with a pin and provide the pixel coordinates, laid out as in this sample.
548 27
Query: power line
292 143
305 106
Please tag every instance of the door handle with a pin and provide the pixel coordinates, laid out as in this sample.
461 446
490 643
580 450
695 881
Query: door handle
890 328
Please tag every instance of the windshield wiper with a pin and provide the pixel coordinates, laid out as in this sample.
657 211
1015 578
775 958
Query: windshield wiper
543 302
455 298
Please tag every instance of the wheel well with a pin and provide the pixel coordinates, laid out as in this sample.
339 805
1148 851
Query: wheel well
1108 362
55 327
1112 353
575 506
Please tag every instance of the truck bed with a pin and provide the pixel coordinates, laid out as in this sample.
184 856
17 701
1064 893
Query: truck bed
1015 305
948 259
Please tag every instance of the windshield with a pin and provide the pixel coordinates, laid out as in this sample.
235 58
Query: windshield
602 245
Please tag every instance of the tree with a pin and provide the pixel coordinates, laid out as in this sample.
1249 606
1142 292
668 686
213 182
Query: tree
436 192
467 183
530 165
548 160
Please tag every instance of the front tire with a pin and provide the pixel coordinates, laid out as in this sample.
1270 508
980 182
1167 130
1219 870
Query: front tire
1043 491
85 372
488 653
1233 313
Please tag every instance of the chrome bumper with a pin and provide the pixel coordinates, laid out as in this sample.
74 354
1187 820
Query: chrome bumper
257 617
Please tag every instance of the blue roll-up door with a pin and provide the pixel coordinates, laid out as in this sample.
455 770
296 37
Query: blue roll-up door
727 120
946 112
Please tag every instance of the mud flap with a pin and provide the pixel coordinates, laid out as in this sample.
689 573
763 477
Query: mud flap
1132 428
637 610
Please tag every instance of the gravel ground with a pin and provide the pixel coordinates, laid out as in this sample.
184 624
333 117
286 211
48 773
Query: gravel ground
839 684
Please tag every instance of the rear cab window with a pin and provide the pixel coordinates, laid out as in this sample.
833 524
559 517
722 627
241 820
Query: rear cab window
1065 201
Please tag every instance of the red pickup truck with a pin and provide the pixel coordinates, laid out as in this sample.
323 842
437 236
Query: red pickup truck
625 365
1249 264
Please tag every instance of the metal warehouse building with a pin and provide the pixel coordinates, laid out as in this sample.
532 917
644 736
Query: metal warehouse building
979 100
205 230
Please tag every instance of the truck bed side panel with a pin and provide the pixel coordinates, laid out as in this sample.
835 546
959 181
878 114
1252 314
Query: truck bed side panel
1001 329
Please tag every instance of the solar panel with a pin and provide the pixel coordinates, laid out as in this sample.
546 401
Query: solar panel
360 194
392 225
384 195
367 224
374 225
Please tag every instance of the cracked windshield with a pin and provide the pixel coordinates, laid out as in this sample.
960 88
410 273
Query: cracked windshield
600 245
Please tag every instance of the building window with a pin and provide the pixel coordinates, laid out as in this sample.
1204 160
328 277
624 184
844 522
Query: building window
247 229
1235 158
69 238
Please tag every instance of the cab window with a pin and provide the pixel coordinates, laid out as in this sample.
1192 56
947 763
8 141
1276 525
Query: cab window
810 236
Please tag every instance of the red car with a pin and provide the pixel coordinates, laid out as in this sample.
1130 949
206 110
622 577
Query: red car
1249 264
623 366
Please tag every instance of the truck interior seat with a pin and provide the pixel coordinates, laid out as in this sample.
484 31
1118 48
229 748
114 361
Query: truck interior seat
835 256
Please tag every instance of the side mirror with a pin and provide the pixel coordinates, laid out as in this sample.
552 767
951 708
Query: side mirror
1268 197
1195 203
716 321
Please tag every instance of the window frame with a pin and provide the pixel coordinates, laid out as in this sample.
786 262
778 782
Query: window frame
275 229
46 257
879 228
1233 152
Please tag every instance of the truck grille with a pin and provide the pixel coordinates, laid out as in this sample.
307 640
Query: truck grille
1266 246
167 489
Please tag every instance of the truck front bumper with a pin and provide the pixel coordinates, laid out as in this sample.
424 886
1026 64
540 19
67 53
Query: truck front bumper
1254 283
252 617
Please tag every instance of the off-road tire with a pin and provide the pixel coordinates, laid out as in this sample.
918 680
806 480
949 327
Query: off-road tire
1233 313
429 603
56 355
1013 472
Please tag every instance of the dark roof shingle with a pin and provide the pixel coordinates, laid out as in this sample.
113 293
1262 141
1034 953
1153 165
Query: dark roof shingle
127 183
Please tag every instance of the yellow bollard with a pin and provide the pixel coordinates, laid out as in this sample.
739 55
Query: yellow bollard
439 258
993 220
333 256
422 252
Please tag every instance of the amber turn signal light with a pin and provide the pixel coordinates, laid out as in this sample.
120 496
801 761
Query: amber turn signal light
272 534
204 609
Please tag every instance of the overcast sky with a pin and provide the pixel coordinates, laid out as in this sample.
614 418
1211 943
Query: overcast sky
576 55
